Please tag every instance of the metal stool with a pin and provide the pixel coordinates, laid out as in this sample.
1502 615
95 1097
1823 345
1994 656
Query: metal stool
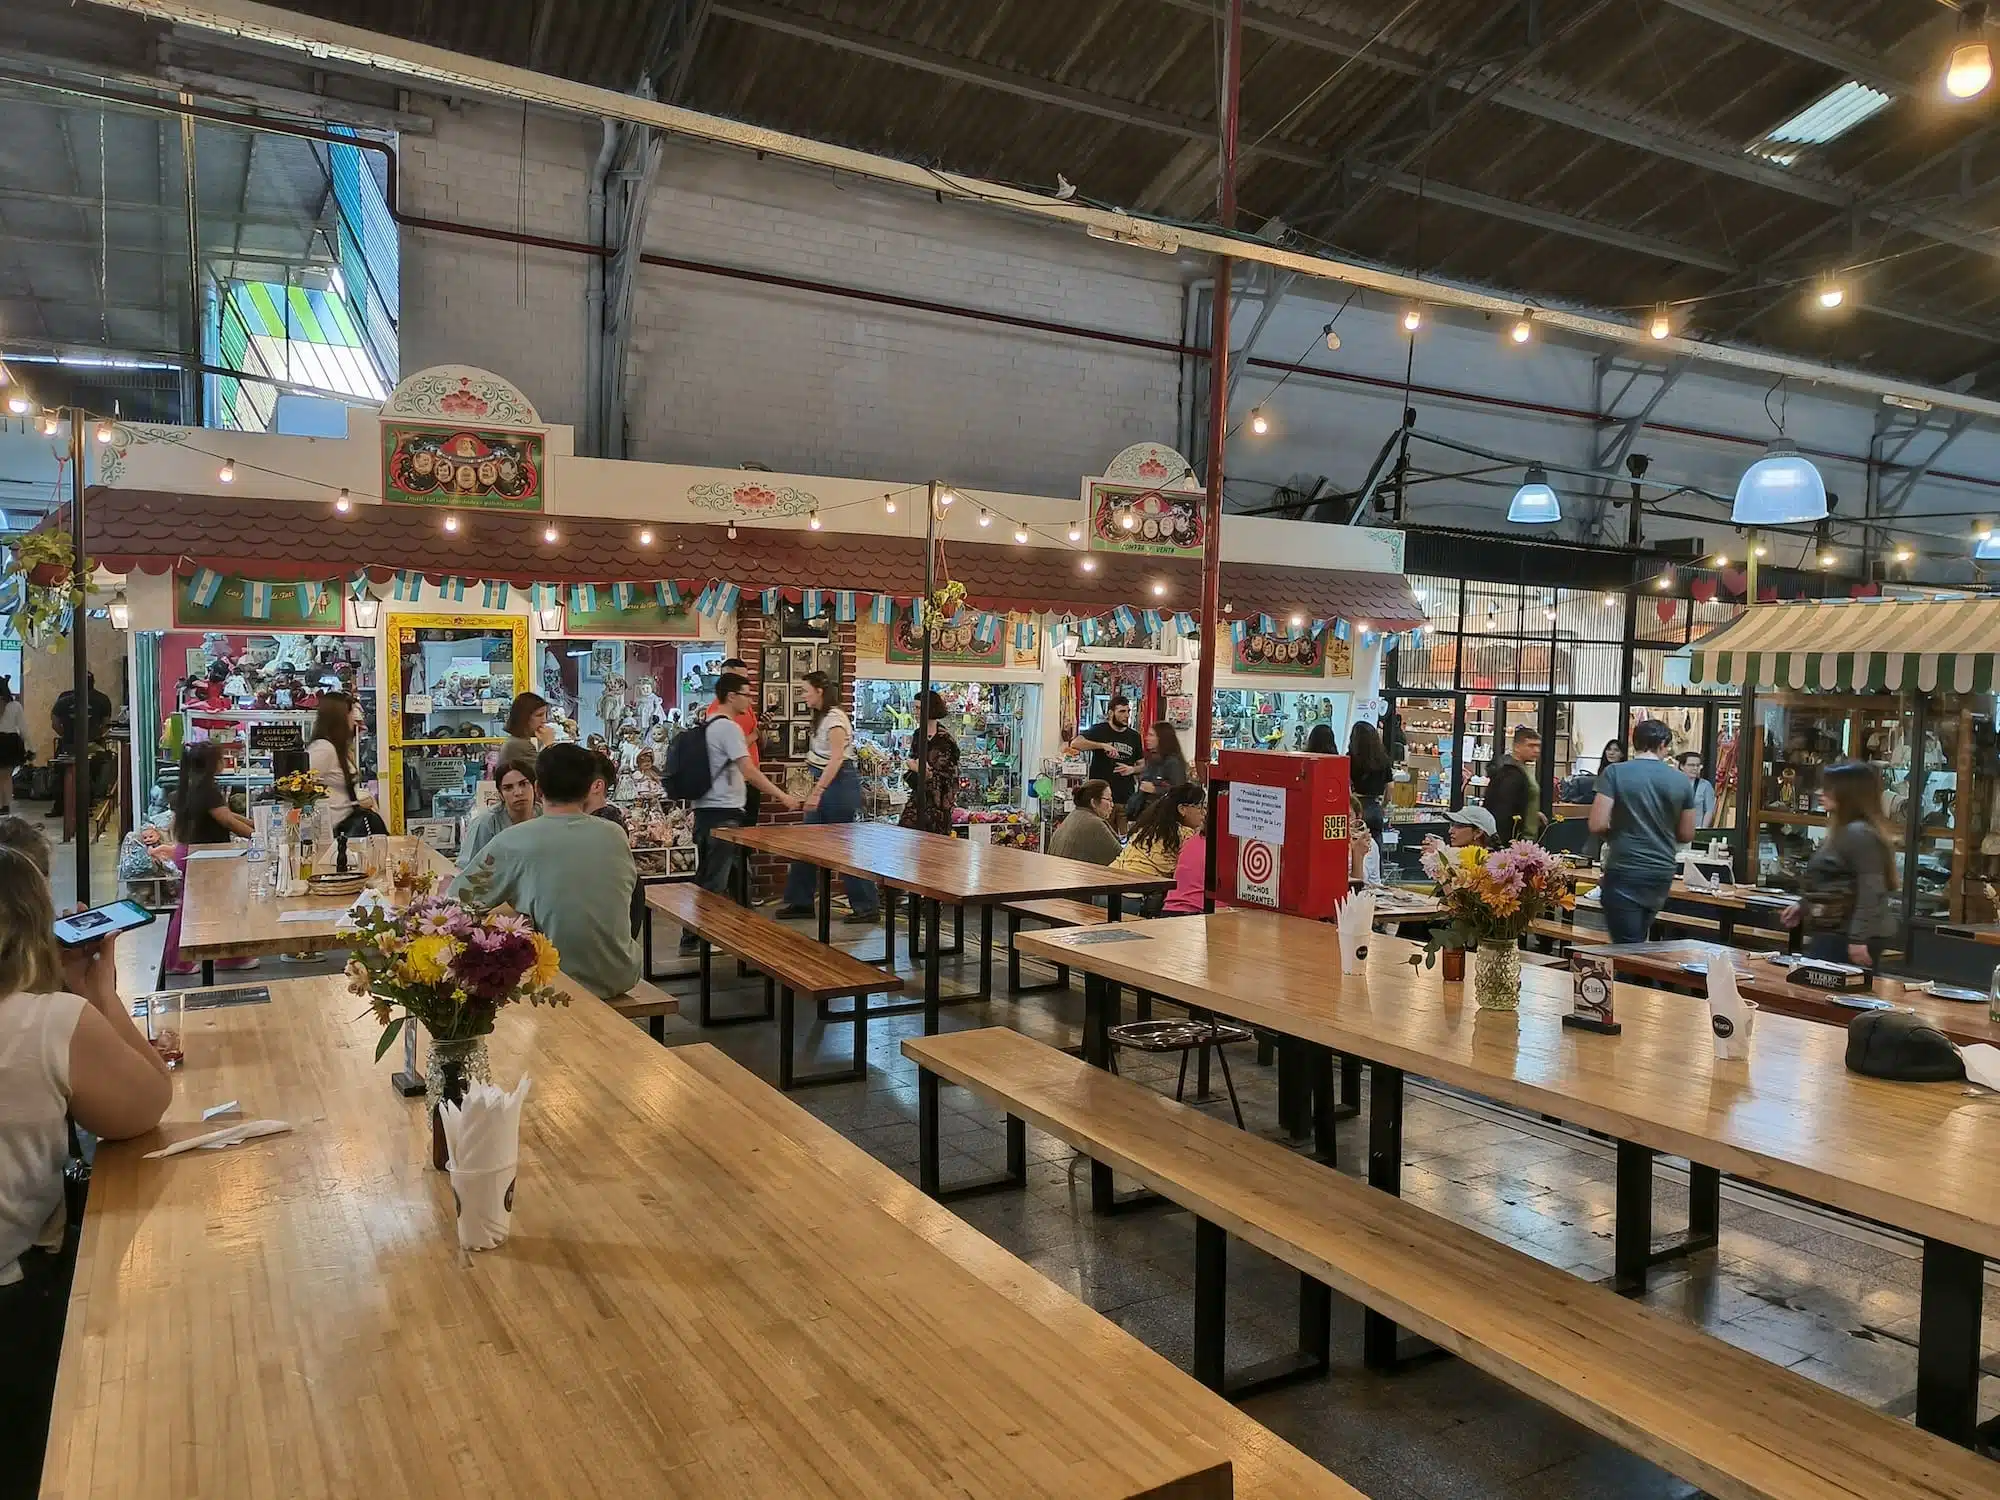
1195 1034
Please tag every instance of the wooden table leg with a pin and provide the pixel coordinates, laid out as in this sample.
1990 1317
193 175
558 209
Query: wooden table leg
986 953
1385 1172
826 906
931 986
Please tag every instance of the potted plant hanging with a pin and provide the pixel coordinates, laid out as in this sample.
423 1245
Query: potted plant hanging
39 565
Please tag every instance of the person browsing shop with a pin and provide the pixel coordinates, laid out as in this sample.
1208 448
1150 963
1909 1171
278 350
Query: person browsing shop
1843 900
1086 834
332 757
1116 752
528 731
834 798
1514 794
1165 767
569 873
516 805
1368 773
932 812
745 719
1644 809
1704 789
729 771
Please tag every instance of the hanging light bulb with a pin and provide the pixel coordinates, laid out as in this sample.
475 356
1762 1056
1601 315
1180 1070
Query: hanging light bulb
1720 560
1610 601
451 523
1761 550
1523 331
1159 589
646 536
732 531
1332 339
1089 565
343 502
1021 534
1075 532
1905 554
104 432
227 473
1535 502
1970 70
945 497
1662 325
812 521
985 516
1413 319
1664 582
1549 615
1298 622
1128 519
1259 423
1827 559
51 424
1781 489
18 402
889 504
1831 294
551 535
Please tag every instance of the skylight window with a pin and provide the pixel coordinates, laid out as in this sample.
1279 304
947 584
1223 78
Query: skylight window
1825 120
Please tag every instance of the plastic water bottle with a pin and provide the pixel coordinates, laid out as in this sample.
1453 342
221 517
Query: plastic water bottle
1993 997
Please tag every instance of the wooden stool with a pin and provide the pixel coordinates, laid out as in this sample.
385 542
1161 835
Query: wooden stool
1195 1034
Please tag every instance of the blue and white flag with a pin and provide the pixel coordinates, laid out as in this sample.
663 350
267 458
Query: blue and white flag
988 630
1295 628
544 595
626 594
1151 619
452 591
1266 625
203 587
1087 631
583 596
1184 623
768 600
812 603
257 600
1342 630
727 597
494 594
408 588
1124 618
357 585
844 605
1238 629
1417 637
704 604
311 597
667 593
1024 633
916 614
883 609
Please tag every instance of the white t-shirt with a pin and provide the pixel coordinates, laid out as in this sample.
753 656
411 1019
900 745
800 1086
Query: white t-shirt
726 746
35 1032
821 749
325 763
14 719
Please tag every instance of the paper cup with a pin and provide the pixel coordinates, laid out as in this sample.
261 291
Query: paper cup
1732 1026
485 1202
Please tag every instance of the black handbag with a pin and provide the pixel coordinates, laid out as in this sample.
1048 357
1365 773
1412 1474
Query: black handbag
1900 1045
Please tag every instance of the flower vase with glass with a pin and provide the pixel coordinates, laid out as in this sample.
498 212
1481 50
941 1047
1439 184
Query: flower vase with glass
449 965
298 792
1489 900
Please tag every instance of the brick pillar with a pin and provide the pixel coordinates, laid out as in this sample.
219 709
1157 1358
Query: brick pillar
767 873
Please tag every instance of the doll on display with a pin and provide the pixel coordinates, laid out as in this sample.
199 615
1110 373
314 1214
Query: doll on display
611 704
647 707
646 776
629 747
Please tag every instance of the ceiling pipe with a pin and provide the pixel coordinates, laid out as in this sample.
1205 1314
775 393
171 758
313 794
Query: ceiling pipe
436 70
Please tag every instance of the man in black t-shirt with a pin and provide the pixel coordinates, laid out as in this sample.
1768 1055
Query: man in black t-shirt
1115 754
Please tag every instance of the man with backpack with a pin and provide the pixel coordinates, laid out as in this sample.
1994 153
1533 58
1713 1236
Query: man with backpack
709 765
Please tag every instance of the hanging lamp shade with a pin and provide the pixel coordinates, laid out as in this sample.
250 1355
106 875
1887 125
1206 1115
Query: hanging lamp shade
1987 550
1535 503
1781 488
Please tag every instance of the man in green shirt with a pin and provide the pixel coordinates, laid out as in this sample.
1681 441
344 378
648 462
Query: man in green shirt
570 874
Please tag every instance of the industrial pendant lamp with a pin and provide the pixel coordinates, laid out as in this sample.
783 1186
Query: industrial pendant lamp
1987 548
1535 503
1970 69
1782 488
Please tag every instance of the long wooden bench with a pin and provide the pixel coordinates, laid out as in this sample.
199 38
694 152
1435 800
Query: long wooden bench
1266 1466
1056 911
1727 1421
644 1003
794 965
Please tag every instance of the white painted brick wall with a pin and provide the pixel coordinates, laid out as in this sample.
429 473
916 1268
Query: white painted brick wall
726 371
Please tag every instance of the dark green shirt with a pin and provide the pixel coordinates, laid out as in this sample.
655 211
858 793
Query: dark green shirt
572 876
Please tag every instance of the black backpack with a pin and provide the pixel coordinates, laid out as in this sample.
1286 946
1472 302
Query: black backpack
688 774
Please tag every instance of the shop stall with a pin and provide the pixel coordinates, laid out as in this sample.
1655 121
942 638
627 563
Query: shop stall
1274 687
1904 684
454 677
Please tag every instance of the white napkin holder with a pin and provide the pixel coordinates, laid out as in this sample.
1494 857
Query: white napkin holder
484 1134
1355 921
1730 1017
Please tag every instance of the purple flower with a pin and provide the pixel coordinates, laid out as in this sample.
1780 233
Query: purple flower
492 964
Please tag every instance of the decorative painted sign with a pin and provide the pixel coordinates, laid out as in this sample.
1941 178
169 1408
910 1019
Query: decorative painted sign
1152 522
753 498
462 394
1018 644
480 468
1153 466
647 617
1278 655
209 601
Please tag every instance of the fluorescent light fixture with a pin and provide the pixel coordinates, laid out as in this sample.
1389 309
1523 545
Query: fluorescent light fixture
1535 502
1822 122
1781 489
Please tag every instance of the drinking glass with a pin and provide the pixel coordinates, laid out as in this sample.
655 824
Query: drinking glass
164 1015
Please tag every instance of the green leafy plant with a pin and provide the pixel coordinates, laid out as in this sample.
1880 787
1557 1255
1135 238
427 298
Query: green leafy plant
40 573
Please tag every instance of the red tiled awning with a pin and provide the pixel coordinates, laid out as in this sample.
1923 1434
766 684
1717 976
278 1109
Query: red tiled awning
152 531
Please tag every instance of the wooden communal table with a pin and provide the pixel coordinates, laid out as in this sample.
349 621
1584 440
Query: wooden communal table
1972 932
220 920
1765 983
694 1301
1729 903
1922 1157
938 872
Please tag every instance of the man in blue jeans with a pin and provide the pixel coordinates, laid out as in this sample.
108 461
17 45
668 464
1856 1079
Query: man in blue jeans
731 770
1644 811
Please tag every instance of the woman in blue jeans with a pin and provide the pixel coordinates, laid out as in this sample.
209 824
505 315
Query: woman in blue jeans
835 798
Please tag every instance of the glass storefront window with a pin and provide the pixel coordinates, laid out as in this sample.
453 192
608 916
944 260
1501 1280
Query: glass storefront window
993 724
1421 791
1246 720
455 678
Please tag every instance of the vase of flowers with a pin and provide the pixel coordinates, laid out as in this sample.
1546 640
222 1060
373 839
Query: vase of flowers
449 965
1489 899
298 792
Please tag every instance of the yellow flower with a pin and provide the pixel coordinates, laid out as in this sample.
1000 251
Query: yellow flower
547 961
428 959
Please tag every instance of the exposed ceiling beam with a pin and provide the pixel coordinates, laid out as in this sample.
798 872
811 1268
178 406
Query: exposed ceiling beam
1651 134
173 210
438 69
1865 66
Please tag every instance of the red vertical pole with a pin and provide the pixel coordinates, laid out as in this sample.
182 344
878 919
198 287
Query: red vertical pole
1213 630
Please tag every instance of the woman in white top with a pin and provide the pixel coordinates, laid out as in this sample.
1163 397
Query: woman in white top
835 798
13 743
68 1048
333 758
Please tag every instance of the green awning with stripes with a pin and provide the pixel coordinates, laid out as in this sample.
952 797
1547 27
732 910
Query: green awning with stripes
1856 646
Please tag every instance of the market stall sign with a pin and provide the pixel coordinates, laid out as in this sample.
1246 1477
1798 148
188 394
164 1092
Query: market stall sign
645 618
1150 521
900 643
208 601
1278 655
477 468
277 737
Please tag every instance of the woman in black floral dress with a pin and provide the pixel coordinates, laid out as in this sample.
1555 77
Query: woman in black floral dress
933 813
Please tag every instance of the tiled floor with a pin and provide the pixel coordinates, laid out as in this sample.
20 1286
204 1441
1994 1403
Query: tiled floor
1834 1299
